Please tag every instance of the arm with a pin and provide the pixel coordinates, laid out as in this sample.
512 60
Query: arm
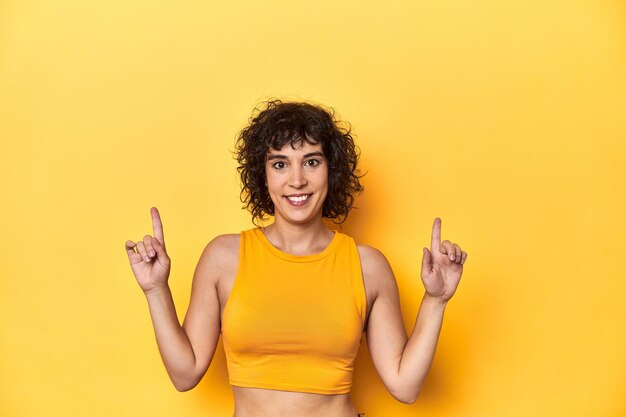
419 351
188 350
174 346
403 363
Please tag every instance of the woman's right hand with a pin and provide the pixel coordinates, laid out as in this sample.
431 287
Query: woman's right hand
150 262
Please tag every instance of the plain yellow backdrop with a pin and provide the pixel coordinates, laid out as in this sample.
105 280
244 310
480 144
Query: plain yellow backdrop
505 119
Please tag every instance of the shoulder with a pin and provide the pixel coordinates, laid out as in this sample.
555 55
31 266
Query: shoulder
224 244
220 254
376 269
371 258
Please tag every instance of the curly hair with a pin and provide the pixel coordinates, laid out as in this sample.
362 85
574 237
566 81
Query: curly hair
273 124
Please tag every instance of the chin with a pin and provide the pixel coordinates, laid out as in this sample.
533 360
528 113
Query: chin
301 219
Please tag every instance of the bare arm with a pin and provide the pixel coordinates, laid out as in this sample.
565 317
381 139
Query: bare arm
403 363
418 354
186 350
174 345
202 322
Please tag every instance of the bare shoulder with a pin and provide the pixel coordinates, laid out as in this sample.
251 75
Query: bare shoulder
220 254
226 244
376 269
371 257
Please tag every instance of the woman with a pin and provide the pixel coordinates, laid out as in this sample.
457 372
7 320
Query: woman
292 300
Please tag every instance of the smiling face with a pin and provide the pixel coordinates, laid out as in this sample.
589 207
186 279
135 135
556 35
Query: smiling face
297 181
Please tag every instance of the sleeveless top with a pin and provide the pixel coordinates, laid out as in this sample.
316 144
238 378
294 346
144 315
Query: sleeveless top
294 323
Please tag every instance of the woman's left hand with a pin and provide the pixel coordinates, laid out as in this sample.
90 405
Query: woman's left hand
442 266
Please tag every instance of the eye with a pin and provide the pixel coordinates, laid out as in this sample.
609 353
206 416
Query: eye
312 162
278 165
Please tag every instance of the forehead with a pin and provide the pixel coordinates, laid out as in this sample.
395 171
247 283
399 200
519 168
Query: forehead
301 148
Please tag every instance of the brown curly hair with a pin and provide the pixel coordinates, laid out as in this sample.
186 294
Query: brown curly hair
273 124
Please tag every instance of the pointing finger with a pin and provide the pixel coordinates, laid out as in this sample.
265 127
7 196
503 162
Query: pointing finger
157 226
435 240
160 251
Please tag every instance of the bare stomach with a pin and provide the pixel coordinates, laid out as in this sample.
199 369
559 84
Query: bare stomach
259 402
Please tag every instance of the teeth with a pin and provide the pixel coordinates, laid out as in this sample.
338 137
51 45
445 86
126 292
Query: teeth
298 199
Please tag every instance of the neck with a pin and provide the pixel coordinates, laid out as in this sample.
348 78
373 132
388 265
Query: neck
298 239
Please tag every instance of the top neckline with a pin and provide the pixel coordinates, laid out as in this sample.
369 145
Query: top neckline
297 258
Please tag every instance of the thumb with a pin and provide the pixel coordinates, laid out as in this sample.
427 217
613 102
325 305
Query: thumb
426 260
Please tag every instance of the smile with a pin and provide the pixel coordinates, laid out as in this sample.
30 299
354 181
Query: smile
298 199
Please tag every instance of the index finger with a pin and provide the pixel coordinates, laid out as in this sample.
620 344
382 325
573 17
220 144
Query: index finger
157 226
435 239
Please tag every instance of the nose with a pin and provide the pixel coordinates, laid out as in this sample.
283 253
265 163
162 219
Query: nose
297 178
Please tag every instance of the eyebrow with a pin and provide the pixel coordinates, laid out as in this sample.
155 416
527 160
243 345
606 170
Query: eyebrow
308 155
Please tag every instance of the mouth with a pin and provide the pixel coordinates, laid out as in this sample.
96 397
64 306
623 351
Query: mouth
298 199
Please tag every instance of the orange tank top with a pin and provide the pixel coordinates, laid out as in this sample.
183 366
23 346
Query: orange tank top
294 323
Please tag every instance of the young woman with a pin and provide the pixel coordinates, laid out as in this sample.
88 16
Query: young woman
292 300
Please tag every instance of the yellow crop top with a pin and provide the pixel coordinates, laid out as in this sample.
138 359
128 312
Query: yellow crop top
294 323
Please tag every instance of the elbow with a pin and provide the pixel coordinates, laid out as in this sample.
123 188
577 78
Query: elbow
409 400
187 380
407 397
185 385
183 388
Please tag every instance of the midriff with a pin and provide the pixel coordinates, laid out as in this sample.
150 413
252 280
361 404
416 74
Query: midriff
259 402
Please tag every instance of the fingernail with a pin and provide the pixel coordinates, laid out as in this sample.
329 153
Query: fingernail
147 259
451 257
151 253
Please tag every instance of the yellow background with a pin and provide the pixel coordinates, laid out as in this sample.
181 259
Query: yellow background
504 118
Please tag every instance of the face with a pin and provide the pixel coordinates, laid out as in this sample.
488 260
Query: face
297 181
